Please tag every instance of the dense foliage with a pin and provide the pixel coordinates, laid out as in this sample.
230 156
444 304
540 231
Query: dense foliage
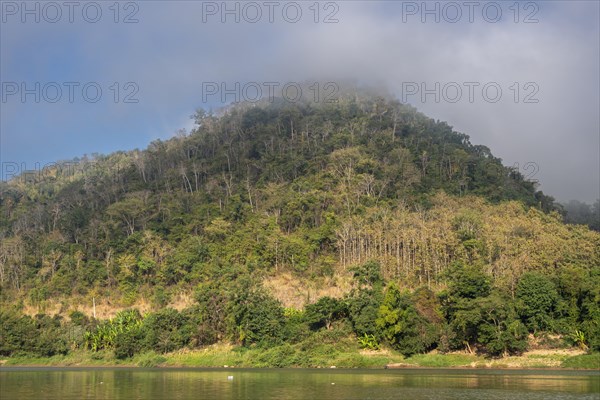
472 314
447 248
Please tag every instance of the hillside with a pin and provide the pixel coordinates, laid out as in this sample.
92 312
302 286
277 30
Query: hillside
365 200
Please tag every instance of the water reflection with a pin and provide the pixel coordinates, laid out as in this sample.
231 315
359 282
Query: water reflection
179 384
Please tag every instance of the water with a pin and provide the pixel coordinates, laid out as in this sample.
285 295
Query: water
178 384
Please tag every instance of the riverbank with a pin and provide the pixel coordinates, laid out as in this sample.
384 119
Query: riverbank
223 355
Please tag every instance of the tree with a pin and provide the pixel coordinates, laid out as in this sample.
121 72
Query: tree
467 284
500 331
538 298
211 314
255 316
402 326
324 312
467 281
40 336
132 212
365 298
368 275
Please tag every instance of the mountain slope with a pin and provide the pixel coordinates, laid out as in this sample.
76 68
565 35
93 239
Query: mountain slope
302 173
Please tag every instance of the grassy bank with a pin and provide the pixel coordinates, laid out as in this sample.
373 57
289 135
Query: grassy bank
322 356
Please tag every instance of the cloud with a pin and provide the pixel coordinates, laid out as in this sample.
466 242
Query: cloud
171 51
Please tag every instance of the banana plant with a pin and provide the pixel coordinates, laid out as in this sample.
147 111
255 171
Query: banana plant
579 338
105 334
368 342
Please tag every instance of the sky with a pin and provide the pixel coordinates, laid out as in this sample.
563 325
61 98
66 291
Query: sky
522 78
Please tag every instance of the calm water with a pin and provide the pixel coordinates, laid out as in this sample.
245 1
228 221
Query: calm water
177 384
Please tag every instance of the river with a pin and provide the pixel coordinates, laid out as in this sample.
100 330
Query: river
178 384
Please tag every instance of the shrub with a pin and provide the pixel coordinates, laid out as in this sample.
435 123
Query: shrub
363 309
166 330
587 361
79 318
40 336
128 343
467 281
278 357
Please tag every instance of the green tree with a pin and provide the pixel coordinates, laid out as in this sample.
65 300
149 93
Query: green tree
365 298
466 285
210 316
401 324
500 332
538 299
40 336
324 312
255 316
467 281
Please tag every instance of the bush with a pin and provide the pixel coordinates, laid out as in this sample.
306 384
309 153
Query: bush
128 343
591 331
104 335
467 281
165 331
368 342
17 333
50 337
209 317
78 318
20 334
295 329
279 357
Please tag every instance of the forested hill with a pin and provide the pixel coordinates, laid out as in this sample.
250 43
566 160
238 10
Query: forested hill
416 239
280 182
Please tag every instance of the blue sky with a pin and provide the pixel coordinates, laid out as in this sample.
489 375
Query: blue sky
175 46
